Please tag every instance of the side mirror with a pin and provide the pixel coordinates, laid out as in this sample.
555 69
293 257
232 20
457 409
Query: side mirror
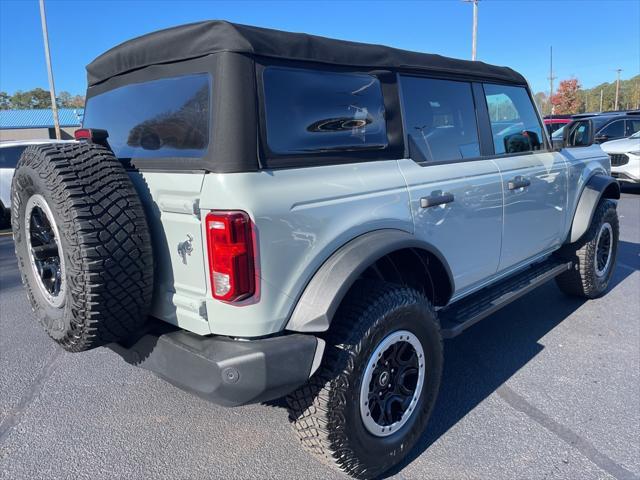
579 133
601 138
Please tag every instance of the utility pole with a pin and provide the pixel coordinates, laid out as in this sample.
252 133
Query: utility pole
551 79
618 70
601 97
586 101
47 54
474 35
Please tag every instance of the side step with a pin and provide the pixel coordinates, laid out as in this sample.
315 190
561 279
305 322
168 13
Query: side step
457 317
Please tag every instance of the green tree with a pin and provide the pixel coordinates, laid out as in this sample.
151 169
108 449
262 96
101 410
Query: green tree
5 101
36 98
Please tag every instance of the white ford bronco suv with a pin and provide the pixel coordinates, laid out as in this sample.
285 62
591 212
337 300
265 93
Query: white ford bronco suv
255 214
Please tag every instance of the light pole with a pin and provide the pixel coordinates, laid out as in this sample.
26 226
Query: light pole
47 54
474 37
551 79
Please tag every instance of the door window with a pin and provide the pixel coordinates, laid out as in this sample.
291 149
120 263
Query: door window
439 119
514 122
633 126
613 130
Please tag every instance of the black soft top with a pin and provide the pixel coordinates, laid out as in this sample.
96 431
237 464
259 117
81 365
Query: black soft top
203 38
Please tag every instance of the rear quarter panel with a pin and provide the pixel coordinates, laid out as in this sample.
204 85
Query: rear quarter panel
583 163
301 216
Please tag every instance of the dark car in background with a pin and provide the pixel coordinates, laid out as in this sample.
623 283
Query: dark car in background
555 122
607 125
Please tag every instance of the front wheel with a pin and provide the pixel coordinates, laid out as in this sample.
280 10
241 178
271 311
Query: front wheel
371 398
593 256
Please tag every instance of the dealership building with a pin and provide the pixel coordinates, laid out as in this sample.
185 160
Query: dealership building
37 124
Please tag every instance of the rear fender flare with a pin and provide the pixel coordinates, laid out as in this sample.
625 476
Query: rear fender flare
324 293
597 187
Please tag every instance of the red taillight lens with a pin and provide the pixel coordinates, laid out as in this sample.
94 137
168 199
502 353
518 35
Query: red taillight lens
91 134
82 134
231 261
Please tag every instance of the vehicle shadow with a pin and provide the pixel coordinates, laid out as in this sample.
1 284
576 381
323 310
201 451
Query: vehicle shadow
626 187
483 358
9 274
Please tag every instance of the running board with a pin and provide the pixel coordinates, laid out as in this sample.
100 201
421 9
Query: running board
457 317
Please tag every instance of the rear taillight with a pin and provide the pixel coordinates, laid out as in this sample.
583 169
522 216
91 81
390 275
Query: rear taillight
231 261
95 135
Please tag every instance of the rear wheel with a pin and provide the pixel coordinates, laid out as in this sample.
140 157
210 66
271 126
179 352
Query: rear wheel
371 398
593 256
82 243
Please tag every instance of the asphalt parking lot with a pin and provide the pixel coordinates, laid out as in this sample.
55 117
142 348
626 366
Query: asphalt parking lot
547 388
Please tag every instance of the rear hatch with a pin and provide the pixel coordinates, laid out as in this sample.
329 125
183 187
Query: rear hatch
159 129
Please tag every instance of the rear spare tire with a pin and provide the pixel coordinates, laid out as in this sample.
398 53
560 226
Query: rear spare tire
82 243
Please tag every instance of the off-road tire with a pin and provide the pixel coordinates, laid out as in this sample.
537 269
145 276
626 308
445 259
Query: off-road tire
325 412
582 280
104 238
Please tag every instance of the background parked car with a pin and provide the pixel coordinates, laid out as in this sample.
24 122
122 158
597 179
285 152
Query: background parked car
625 158
9 155
554 122
608 126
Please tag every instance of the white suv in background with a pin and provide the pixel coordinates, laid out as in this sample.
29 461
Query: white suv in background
625 158
10 152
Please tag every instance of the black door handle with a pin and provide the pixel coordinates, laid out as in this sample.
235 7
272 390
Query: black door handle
433 200
518 182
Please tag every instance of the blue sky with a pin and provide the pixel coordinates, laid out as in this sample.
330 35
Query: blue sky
516 33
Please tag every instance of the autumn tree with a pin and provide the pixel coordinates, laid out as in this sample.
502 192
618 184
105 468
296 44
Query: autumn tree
567 98
66 100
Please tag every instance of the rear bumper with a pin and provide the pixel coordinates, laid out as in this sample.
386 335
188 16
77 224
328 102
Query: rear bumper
226 371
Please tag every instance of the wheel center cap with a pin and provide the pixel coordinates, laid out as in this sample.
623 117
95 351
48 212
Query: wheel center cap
383 379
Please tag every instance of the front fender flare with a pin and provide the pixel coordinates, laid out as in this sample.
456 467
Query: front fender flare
324 293
597 187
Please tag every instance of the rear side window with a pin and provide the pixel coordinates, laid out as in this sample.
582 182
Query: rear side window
9 156
439 119
313 111
633 126
613 130
160 118
514 123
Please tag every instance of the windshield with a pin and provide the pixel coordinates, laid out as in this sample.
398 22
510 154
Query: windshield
558 133
635 135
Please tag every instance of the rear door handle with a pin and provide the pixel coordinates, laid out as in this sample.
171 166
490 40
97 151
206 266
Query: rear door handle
433 200
518 182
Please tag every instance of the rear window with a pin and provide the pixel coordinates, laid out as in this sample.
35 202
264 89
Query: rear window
311 111
160 118
9 156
